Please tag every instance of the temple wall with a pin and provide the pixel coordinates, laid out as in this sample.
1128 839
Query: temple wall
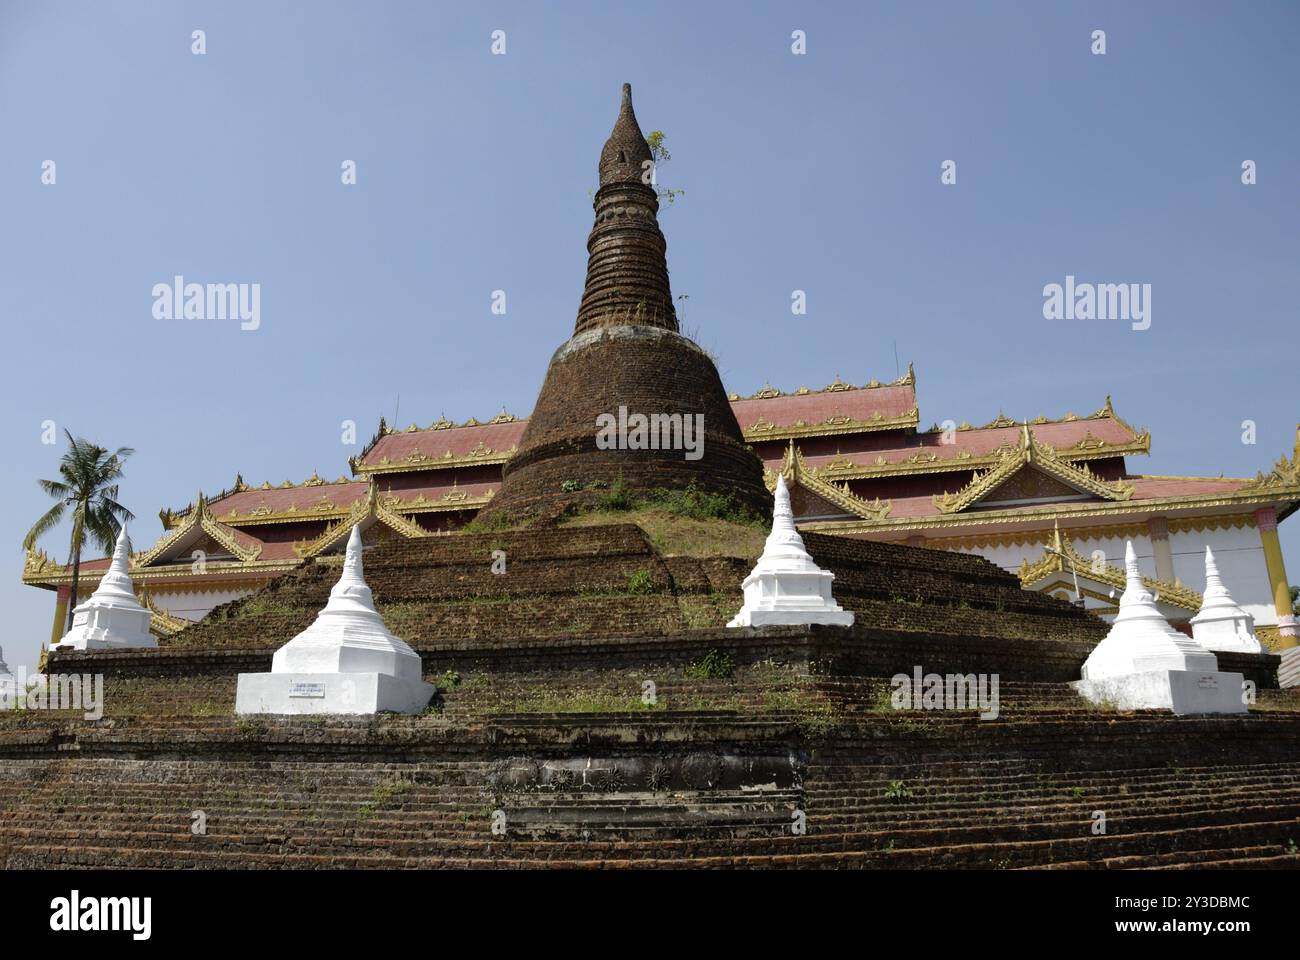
1011 557
1239 554
1240 557
194 605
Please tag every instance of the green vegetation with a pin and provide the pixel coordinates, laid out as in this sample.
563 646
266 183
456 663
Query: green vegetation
641 583
573 701
381 795
899 791
715 665
491 523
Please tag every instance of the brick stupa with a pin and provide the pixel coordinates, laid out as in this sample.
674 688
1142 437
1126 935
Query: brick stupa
626 352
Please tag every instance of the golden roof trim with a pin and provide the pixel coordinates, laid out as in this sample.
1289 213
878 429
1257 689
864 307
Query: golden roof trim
1059 555
1068 510
769 392
481 455
926 462
764 429
200 516
839 494
1031 453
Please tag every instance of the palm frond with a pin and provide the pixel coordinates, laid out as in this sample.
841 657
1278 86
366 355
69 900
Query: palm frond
48 522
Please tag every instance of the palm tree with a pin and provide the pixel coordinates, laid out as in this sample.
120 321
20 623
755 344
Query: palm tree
89 488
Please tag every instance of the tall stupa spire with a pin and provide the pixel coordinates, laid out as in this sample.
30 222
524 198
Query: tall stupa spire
627 399
627 272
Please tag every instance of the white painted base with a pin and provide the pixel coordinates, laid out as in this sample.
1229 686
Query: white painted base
788 617
86 641
1288 672
313 693
1182 691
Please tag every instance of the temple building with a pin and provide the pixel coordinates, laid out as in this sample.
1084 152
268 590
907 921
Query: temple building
1053 500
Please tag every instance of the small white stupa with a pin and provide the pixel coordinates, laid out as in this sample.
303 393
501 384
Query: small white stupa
6 675
786 586
345 662
1221 624
1143 663
112 618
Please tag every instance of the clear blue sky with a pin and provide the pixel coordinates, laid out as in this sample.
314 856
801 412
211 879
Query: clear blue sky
816 172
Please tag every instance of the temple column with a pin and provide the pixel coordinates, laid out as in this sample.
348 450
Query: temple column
1158 527
63 594
1266 520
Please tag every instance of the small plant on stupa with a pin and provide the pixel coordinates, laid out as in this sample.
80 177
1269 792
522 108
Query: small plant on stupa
618 497
641 583
898 791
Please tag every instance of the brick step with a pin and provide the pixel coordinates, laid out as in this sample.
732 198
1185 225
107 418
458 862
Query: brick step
1183 859
769 852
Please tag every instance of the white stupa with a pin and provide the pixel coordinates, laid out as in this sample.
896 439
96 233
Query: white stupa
6 675
1221 624
345 662
111 618
786 586
1143 663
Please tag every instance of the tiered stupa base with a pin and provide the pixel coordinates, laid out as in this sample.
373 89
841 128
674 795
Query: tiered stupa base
646 370
1181 691
345 693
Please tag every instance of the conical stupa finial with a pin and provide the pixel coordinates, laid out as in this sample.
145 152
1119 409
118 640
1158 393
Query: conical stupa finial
121 552
1132 574
781 504
352 564
1214 586
625 153
1211 568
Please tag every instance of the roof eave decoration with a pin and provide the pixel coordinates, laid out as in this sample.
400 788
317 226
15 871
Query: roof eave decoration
367 511
1283 478
1031 453
481 455
764 429
1060 556
796 472
199 516
768 392
161 623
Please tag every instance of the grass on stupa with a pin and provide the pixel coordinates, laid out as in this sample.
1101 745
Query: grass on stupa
675 535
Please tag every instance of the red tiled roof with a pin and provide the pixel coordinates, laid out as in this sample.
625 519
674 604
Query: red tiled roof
891 401
458 441
982 441
1150 488
436 491
1144 488
279 499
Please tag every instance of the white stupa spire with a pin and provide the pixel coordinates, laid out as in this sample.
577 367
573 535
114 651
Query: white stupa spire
116 582
111 617
1140 638
786 586
346 661
1143 663
1221 624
